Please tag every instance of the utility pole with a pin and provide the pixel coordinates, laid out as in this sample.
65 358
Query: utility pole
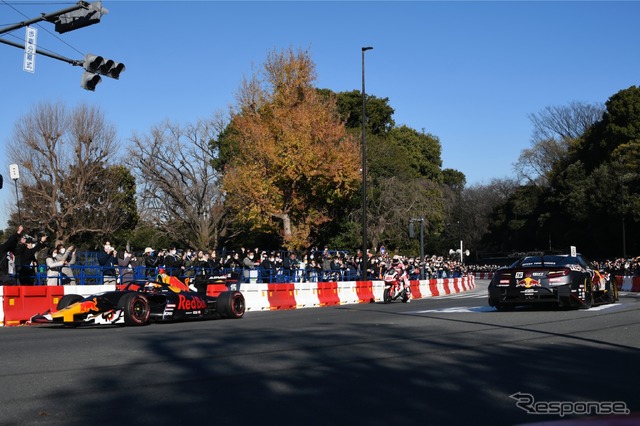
411 234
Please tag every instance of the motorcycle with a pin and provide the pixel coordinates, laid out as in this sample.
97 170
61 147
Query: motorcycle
393 288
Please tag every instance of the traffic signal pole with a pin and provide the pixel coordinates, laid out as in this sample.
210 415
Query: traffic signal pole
50 17
43 53
81 15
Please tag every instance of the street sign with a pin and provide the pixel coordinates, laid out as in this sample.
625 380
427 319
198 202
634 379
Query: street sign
30 37
14 172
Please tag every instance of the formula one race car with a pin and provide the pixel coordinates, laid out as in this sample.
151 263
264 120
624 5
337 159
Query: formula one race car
140 302
562 280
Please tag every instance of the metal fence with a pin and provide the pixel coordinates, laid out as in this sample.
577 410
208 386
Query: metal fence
95 274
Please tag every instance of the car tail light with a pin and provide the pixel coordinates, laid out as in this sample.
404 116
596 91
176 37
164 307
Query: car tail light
558 276
559 273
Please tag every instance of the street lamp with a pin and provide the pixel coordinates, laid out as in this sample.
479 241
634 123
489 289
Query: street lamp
365 258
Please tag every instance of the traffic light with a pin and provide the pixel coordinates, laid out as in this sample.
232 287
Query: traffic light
98 65
0 181
90 81
111 69
94 64
80 18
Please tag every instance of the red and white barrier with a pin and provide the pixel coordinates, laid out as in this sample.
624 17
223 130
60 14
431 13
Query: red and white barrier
19 303
303 295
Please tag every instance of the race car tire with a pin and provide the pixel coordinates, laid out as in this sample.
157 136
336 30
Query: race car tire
136 308
231 304
386 295
68 300
587 303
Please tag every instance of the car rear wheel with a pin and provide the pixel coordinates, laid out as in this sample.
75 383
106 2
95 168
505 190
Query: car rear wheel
587 301
136 308
231 304
68 300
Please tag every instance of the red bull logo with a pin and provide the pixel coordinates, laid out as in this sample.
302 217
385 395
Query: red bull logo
528 282
83 307
88 305
192 303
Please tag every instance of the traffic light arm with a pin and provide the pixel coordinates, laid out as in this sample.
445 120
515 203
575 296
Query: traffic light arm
45 53
50 17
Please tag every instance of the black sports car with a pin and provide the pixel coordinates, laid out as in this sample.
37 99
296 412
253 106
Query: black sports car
562 280
140 302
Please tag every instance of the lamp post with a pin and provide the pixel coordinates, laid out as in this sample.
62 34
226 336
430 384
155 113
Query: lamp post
411 234
365 258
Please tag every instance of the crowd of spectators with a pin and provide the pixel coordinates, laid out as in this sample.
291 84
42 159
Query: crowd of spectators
27 260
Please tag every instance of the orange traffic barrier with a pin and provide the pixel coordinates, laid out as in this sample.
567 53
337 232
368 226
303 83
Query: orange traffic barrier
364 289
328 294
282 296
22 302
414 285
433 286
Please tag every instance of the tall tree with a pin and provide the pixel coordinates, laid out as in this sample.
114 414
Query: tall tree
379 112
292 158
180 189
69 185
554 129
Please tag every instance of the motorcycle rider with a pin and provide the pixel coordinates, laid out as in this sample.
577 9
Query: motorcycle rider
403 274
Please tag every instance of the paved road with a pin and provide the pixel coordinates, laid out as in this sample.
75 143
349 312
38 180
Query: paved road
440 361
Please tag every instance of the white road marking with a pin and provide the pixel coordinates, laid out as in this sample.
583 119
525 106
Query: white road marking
469 309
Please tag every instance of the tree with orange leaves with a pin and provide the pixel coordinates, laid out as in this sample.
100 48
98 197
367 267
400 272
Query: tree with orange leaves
289 157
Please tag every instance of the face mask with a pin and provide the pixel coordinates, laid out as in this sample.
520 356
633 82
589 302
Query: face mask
172 252
62 250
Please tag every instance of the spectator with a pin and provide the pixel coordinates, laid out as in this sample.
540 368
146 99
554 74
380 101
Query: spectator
174 263
54 266
267 267
326 266
289 266
233 265
248 264
26 258
126 264
7 250
201 270
151 262
107 260
216 268
66 273
314 270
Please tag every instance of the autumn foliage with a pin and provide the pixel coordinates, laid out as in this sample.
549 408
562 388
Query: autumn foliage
291 157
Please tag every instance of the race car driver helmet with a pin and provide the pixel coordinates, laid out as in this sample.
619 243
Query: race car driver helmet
152 287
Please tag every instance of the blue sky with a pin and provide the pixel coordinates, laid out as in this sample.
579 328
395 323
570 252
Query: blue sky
469 73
